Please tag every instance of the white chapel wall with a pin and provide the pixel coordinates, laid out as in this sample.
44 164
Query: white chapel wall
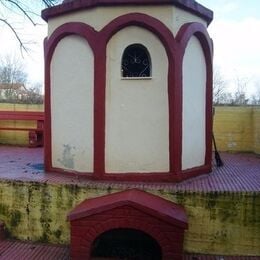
137 117
194 102
72 83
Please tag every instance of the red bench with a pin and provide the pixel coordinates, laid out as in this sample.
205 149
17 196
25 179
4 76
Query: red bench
35 135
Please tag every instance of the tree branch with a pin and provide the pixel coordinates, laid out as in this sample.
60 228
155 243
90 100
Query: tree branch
23 11
15 33
21 8
49 3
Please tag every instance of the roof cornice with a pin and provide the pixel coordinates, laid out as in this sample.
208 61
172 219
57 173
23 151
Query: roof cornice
76 5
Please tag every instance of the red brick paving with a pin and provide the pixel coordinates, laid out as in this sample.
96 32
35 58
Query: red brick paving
214 257
241 173
17 250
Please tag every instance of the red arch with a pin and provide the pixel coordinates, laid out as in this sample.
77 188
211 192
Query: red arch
199 31
77 28
80 29
145 21
174 90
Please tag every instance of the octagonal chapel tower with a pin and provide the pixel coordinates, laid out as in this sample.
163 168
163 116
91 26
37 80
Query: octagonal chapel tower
128 87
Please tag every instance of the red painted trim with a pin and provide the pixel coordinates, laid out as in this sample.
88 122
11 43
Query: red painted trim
196 171
185 33
21 129
47 108
99 107
143 177
72 6
174 90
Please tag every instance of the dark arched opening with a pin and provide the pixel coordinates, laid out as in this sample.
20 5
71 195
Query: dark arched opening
136 62
125 244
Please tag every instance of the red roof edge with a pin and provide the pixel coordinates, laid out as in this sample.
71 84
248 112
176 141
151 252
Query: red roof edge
148 203
71 6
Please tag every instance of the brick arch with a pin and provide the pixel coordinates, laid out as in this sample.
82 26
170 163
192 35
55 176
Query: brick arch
200 32
135 224
154 241
162 234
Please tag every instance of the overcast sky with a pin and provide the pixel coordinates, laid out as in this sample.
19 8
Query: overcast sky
31 35
236 34
235 31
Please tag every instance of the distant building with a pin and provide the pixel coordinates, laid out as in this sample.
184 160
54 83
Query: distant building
12 91
17 92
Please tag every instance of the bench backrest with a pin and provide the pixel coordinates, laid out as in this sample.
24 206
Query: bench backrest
21 115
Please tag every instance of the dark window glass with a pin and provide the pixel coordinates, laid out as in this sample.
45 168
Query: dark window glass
136 62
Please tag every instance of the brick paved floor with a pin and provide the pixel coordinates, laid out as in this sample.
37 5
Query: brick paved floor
241 172
17 250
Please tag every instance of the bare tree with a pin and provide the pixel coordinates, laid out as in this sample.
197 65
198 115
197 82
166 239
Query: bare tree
219 86
13 83
33 95
255 98
240 97
25 9
12 78
12 70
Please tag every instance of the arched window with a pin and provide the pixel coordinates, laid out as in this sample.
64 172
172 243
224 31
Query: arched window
136 62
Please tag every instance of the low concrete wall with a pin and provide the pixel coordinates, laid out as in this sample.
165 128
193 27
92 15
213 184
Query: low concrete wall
17 137
237 129
219 223
256 126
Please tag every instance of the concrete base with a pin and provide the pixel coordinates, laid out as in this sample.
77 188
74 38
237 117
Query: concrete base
222 207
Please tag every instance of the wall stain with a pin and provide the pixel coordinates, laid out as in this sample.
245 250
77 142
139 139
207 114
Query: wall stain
67 157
